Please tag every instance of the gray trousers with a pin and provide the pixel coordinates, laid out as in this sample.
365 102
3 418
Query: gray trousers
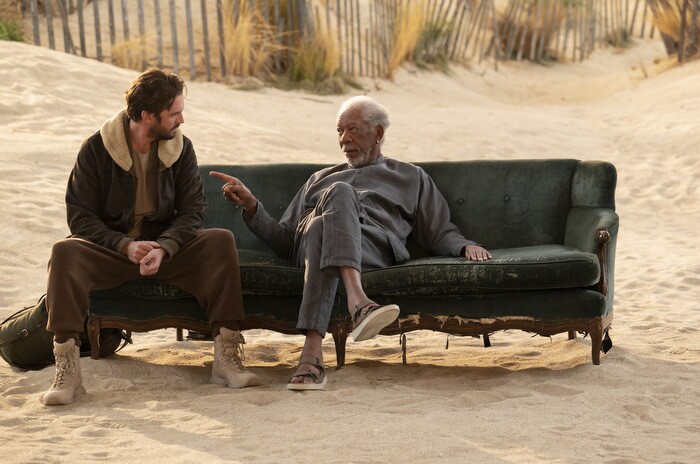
331 235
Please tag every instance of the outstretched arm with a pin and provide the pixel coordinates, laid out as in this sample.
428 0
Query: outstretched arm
236 192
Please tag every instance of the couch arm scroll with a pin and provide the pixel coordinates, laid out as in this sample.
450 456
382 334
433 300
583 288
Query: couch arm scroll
594 230
583 224
604 238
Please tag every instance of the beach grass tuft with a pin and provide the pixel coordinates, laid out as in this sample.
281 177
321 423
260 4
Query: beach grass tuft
11 30
249 42
669 20
535 31
130 54
407 30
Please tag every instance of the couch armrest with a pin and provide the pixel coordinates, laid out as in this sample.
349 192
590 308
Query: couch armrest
594 230
583 224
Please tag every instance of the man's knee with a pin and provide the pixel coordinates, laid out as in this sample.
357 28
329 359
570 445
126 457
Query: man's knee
66 250
218 240
339 197
342 189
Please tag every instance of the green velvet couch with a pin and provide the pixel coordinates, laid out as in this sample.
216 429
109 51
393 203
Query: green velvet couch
550 225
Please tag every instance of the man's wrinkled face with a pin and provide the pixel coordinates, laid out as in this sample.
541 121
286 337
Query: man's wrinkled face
357 139
166 123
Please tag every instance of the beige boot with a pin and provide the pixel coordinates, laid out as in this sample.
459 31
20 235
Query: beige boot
68 382
228 361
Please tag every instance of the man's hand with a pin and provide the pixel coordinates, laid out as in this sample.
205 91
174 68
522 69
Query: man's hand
148 255
476 253
150 263
137 250
235 191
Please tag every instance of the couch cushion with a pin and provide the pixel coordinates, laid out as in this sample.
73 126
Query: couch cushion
507 203
263 273
513 269
148 289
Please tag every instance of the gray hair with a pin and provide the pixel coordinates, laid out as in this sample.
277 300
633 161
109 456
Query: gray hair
373 112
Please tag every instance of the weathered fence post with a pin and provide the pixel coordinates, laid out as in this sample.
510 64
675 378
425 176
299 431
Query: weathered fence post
142 35
81 28
35 21
98 35
190 38
159 32
173 28
205 34
49 25
220 26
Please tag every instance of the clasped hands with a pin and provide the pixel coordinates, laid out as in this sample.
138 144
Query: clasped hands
147 254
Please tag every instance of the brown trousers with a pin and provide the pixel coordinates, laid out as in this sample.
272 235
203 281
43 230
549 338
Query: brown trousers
206 267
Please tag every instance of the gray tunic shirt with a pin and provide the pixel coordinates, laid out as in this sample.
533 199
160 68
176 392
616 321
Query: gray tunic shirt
396 199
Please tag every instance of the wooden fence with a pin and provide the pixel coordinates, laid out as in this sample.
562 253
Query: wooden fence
207 38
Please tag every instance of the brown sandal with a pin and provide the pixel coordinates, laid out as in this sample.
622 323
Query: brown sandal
370 318
319 380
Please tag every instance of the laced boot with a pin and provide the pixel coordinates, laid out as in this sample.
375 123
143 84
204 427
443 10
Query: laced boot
68 382
228 361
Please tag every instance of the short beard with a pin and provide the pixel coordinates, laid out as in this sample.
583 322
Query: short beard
156 133
363 160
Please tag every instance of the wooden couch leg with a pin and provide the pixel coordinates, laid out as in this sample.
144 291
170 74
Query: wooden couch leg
340 337
572 334
596 333
93 329
179 336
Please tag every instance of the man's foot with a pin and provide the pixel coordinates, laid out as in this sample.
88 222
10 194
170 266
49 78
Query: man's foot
370 318
228 366
310 374
68 382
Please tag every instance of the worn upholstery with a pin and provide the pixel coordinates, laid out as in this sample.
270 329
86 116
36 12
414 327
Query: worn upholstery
539 217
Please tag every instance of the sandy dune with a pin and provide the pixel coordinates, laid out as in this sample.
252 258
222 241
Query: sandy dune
524 399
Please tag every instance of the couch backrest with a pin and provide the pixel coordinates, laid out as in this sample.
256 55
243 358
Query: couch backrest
499 203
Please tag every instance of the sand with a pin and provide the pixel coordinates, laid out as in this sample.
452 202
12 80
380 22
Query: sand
526 399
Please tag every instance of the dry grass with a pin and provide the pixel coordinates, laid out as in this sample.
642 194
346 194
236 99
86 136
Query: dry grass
407 32
668 20
130 54
250 43
315 58
540 26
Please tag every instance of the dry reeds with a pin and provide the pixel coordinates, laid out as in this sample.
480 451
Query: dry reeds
529 30
407 30
316 58
249 42
316 40
679 22
130 54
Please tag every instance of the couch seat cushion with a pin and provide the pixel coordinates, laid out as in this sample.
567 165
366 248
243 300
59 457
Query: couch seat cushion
263 273
513 269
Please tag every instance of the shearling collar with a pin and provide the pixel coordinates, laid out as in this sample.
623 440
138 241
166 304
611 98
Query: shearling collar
114 139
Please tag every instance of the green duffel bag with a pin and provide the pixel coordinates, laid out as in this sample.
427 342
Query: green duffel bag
26 344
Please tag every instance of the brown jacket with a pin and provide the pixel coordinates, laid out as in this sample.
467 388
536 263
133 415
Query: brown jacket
101 191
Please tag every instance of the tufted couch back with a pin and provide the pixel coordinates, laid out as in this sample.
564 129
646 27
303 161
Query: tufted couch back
500 204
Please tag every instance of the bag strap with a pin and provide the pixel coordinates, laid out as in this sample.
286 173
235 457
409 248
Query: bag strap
126 339
24 309
24 332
